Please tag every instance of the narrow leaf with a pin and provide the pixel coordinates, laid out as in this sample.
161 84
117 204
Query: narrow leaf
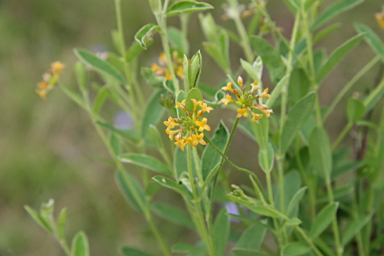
337 56
266 157
130 251
187 7
251 239
296 248
172 214
271 58
323 219
99 65
179 188
277 90
296 119
152 113
372 39
129 192
187 248
296 199
38 219
355 228
221 231
146 162
355 110
334 10
320 152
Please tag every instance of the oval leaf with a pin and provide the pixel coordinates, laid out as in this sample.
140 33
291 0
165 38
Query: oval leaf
221 231
80 245
320 152
296 119
296 199
194 93
123 180
172 214
296 248
187 7
266 158
152 113
355 110
99 64
146 162
323 219
251 239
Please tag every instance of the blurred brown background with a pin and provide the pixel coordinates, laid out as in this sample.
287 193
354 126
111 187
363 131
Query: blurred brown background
48 149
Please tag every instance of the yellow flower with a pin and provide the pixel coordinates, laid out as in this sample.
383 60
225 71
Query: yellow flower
242 112
50 79
227 99
228 87
203 125
380 18
163 70
245 99
256 117
57 67
190 130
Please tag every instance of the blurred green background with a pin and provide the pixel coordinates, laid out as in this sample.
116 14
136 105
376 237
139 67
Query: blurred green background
48 149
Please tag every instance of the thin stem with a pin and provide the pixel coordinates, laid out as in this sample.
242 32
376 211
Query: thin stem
64 245
309 241
336 233
245 44
348 86
342 135
196 201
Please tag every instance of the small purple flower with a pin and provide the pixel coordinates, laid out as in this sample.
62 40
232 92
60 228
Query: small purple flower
123 120
232 209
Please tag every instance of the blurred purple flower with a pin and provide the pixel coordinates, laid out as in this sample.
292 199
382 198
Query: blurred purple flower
123 120
232 209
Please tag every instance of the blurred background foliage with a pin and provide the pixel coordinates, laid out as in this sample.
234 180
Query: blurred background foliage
49 149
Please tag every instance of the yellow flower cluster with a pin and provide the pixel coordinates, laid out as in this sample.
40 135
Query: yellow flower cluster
380 18
50 79
188 129
245 99
162 68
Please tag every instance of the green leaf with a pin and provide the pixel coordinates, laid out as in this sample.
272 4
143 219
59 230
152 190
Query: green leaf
251 221
61 223
221 231
130 251
116 61
337 55
355 110
187 248
296 119
283 83
211 157
251 239
152 113
240 252
292 183
249 69
145 34
172 214
135 49
334 10
299 85
175 37
99 65
266 211
146 162
115 144
323 219
215 52
296 248
320 152
293 222
271 58
296 200
374 97
74 96
168 183
129 134
187 7
101 97
80 245
155 137
372 39
266 157
81 75
194 93
261 132
128 193
38 219
326 31
194 70
355 228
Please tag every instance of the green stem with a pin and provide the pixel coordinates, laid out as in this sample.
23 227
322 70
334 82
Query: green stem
245 44
184 32
162 22
348 86
339 139
64 245
196 201
335 227
309 241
